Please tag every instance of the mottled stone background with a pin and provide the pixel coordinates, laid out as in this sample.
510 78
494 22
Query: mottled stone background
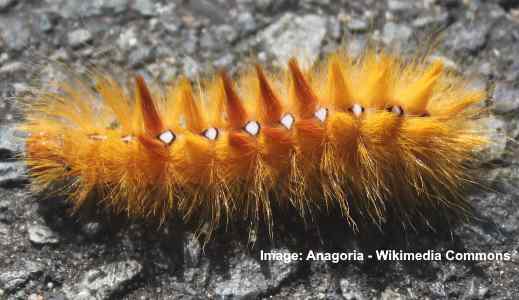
44 254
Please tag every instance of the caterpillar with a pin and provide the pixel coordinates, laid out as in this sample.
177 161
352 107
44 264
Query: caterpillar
364 136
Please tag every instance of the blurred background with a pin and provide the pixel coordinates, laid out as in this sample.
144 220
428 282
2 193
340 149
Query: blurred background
46 255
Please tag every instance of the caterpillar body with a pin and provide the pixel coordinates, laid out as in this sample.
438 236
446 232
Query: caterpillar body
360 135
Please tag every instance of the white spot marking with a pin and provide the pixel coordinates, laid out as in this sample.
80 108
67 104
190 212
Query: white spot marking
321 114
211 133
167 137
357 110
397 110
287 121
97 137
127 138
252 128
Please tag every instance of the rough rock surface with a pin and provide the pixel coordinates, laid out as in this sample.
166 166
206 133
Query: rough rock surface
45 253
103 282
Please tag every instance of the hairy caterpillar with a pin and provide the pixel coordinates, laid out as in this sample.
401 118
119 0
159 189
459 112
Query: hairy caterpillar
362 135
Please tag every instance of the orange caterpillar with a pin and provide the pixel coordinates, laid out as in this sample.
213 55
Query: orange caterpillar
363 136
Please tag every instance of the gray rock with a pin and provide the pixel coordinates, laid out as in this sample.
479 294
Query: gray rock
197 268
247 280
225 61
464 36
44 22
496 128
399 5
208 40
4 57
486 69
335 30
190 39
500 205
437 290
506 97
358 25
20 294
5 4
246 23
280 270
11 67
389 294
165 72
475 290
271 6
12 174
4 231
512 74
145 7
477 236
15 32
104 281
140 56
218 37
191 68
504 179
351 290
5 234
40 234
426 21
72 9
320 283
79 37
18 274
11 142
7 213
34 297
92 229
207 9
77 9
192 251
396 32
128 39
294 35
117 6
4 204
482 292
